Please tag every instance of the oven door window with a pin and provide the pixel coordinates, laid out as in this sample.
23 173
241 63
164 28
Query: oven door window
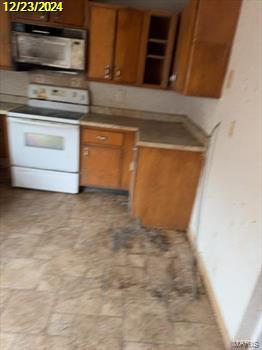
44 141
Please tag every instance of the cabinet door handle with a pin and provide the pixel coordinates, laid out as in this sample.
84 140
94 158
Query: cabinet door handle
86 152
173 77
101 138
108 72
117 72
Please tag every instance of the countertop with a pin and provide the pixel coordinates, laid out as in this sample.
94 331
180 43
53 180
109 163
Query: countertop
7 106
151 133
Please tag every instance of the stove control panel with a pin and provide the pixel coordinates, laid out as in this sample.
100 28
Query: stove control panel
58 94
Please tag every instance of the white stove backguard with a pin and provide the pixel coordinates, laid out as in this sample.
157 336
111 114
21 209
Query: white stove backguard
58 94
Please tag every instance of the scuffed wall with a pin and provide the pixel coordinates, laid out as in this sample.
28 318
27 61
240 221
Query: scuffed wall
226 225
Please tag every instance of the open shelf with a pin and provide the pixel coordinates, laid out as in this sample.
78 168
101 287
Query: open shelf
153 71
156 49
156 57
159 41
159 27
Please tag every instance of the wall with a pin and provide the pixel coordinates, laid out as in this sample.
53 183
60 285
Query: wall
227 225
119 96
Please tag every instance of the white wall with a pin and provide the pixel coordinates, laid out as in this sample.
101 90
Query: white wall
230 230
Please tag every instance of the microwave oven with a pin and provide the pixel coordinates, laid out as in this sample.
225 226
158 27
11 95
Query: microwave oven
38 46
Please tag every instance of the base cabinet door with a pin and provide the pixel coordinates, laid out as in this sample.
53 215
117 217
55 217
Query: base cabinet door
165 186
100 166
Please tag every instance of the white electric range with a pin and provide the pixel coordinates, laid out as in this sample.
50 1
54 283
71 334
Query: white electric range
44 138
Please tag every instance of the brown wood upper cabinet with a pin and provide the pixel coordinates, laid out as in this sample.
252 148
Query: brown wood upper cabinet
73 13
5 47
114 43
205 39
29 16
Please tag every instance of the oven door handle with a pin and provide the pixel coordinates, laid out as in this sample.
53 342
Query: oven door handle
42 123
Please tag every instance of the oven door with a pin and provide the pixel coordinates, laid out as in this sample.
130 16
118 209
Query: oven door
43 50
43 145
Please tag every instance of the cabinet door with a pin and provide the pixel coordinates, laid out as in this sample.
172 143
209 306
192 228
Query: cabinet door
5 47
165 186
204 44
100 166
73 13
129 31
185 39
101 42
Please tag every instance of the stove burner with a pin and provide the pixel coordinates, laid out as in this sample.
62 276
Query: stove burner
48 112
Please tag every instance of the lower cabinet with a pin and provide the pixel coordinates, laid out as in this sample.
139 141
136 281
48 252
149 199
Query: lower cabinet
101 166
165 186
106 157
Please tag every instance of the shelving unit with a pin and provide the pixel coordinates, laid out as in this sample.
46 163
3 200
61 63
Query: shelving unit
158 43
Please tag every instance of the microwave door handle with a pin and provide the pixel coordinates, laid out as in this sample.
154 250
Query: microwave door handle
41 123
40 31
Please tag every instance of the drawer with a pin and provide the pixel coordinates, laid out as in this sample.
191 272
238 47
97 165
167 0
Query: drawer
102 137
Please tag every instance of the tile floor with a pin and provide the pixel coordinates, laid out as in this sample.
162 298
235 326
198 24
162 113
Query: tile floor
78 274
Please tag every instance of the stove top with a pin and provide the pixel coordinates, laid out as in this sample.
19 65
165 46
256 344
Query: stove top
29 111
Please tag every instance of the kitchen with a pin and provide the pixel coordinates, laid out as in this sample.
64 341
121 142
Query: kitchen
102 158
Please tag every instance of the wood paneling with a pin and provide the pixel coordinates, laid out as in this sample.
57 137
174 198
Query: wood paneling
101 42
100 166
73 13
5 41
102 137
128 157
165 187
129 30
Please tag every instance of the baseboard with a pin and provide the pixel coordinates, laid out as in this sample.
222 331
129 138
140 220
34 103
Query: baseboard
208 286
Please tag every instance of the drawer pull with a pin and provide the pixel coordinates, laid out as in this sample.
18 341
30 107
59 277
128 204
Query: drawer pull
101 138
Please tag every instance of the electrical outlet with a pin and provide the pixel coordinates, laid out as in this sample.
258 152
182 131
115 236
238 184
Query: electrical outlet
231 128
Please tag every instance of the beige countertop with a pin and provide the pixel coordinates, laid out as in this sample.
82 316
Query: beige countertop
175 134
7 106
151 133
